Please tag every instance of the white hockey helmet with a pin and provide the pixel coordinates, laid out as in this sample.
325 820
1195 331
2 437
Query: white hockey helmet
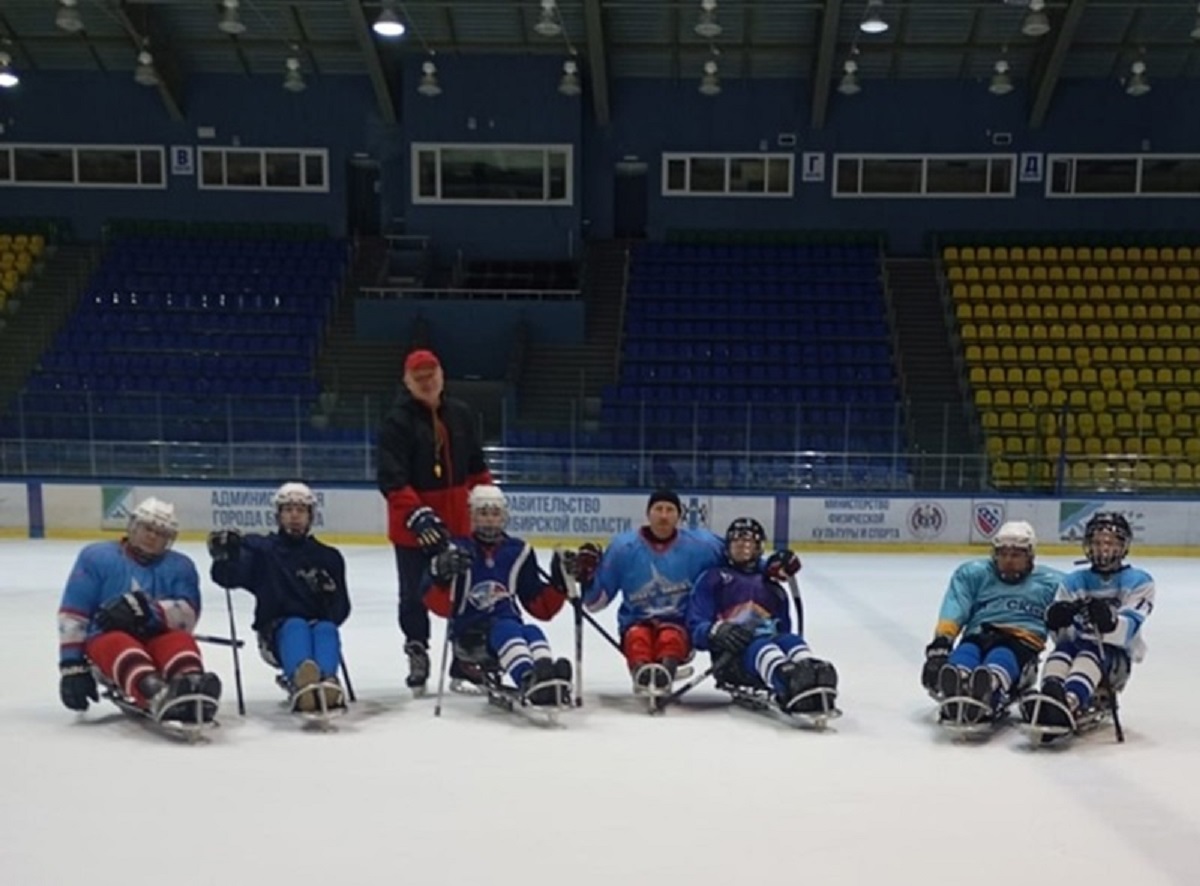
1016 534
155 514
489 512
295 493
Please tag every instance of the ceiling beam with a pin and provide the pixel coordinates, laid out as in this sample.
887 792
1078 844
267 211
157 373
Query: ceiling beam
593 18
826 51
1058 55
366 43
153 36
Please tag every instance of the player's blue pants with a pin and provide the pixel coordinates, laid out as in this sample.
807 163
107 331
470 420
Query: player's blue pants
1000 660
765 654
516 645
297 639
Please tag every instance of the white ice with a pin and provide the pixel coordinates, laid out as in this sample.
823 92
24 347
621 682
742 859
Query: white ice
702 795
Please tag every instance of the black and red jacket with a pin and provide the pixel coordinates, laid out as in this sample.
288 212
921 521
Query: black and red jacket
429 458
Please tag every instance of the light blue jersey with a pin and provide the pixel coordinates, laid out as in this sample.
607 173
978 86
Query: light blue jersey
655 578
977 597
1133 591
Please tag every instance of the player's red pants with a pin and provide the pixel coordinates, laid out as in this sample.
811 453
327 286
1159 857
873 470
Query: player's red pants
654 641
124 659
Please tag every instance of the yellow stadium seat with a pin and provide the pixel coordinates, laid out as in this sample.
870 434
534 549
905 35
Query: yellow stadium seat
995 377
1021 398
1008 354
1039 398
1191 400
991 354
995 445
1185 424
1163 475
988 274
978 376
1068 312
1005 275
1002 399
1132 445
950 254
1191 448
1001 473
1183 475
983 254
983 398
959 291
989 420
969 332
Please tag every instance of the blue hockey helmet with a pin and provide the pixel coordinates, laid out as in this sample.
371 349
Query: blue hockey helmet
1106 540
741 529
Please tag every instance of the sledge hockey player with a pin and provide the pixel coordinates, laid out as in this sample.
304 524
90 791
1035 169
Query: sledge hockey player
654 568
739 612
300 597
1097 620
128 612
477 584
997 605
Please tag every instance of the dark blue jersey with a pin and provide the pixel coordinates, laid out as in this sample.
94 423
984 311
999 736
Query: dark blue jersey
726 594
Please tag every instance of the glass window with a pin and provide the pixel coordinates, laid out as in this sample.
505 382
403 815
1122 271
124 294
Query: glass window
557 165
1001 181
5 165
243 169
847 175
427 174
314 171
779 175
150 164
747 175
1105 176
1167 175
891 176
1060 176
212 168
283 169
677 175
48 164
708 175
108 166
492 174
956 176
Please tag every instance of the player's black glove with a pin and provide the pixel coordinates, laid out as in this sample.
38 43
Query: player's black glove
76 685
224 544
562 564
585 563
132 612
1101 613
318 581
1061 614
450 564
782 564
936 655
730 638
429 529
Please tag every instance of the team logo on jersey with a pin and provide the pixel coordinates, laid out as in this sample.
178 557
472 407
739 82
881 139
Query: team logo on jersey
926 520
988 517
116 504
695 513
486 594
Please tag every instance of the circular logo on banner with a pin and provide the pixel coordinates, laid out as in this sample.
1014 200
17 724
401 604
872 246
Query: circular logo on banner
926 520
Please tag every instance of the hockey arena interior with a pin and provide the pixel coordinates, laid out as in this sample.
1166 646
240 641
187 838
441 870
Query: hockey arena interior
545 441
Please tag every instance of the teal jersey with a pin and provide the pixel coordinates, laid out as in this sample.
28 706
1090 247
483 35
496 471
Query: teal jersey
977 597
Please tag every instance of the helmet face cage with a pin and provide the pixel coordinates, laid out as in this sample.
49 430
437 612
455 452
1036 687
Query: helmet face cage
295 494
152 527
1106 540
745 528
1013 550
489 513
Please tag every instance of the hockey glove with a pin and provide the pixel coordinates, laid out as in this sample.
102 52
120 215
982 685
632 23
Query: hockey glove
937 654
429 529
450 564
730 638
132 612
224 544
781 565
563 564
1102 615
587 561
76 685
1061 614
318 581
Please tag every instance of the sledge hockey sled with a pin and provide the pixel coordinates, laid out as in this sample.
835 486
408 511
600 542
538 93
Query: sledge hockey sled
758 698
1049 722
182 719
964 716
312 702
509 698
658 684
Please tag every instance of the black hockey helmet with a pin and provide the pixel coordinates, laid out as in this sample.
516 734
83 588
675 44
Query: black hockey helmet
743 528
1107 558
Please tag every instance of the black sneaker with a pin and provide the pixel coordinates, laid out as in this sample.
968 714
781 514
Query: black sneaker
418 665
981 686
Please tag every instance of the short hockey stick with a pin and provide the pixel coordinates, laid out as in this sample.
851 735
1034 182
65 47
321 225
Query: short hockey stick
235 645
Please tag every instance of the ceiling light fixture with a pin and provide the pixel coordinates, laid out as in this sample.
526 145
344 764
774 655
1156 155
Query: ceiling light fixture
8 76
710 83
849 82
144 73
429 86
708 27
293 80
68 18
569 84
1001 82
388 24
548 25
873 22
1036 24
1138 84
231 22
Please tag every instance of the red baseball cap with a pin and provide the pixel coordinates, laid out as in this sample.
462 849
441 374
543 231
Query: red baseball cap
419 359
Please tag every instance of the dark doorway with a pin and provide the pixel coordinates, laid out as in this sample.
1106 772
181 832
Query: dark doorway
363 208
630 193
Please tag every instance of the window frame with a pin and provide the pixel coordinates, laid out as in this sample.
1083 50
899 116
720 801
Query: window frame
729 157
565 150
303 154
1136 193
10 150
924 193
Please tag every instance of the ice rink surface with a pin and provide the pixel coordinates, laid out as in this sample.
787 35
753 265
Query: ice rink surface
704 794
